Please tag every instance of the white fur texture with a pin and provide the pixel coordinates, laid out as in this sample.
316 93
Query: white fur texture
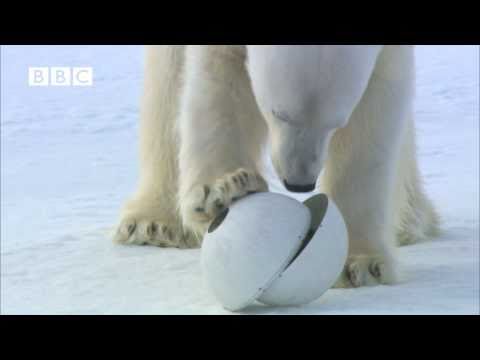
347 111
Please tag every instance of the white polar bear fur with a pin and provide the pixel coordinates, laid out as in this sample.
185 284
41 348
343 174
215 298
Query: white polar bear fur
207 113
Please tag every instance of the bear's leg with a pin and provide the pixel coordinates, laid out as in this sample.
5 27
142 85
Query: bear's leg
150 216
222 133
361 169
415 217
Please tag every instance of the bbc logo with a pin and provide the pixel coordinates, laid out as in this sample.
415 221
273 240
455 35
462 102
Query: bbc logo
60 76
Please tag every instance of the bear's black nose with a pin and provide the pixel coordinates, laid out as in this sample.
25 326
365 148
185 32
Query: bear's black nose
299 188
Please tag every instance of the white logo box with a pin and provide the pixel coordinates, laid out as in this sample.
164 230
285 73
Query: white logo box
60 76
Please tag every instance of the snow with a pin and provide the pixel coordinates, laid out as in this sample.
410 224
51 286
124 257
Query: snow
69 158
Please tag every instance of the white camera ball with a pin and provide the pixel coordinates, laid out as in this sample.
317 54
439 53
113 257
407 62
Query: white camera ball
274 249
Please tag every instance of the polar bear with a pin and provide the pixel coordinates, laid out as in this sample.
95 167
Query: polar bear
337 118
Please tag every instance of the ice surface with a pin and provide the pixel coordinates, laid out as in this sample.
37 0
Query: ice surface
69 158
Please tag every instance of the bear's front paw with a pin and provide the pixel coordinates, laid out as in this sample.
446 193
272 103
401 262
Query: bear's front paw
366 270
206 201
138 231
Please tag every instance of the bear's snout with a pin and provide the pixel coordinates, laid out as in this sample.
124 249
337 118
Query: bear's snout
299 188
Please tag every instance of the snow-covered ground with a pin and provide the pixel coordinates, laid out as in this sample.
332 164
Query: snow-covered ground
69 158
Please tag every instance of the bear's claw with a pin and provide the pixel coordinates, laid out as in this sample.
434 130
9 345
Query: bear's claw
205 202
